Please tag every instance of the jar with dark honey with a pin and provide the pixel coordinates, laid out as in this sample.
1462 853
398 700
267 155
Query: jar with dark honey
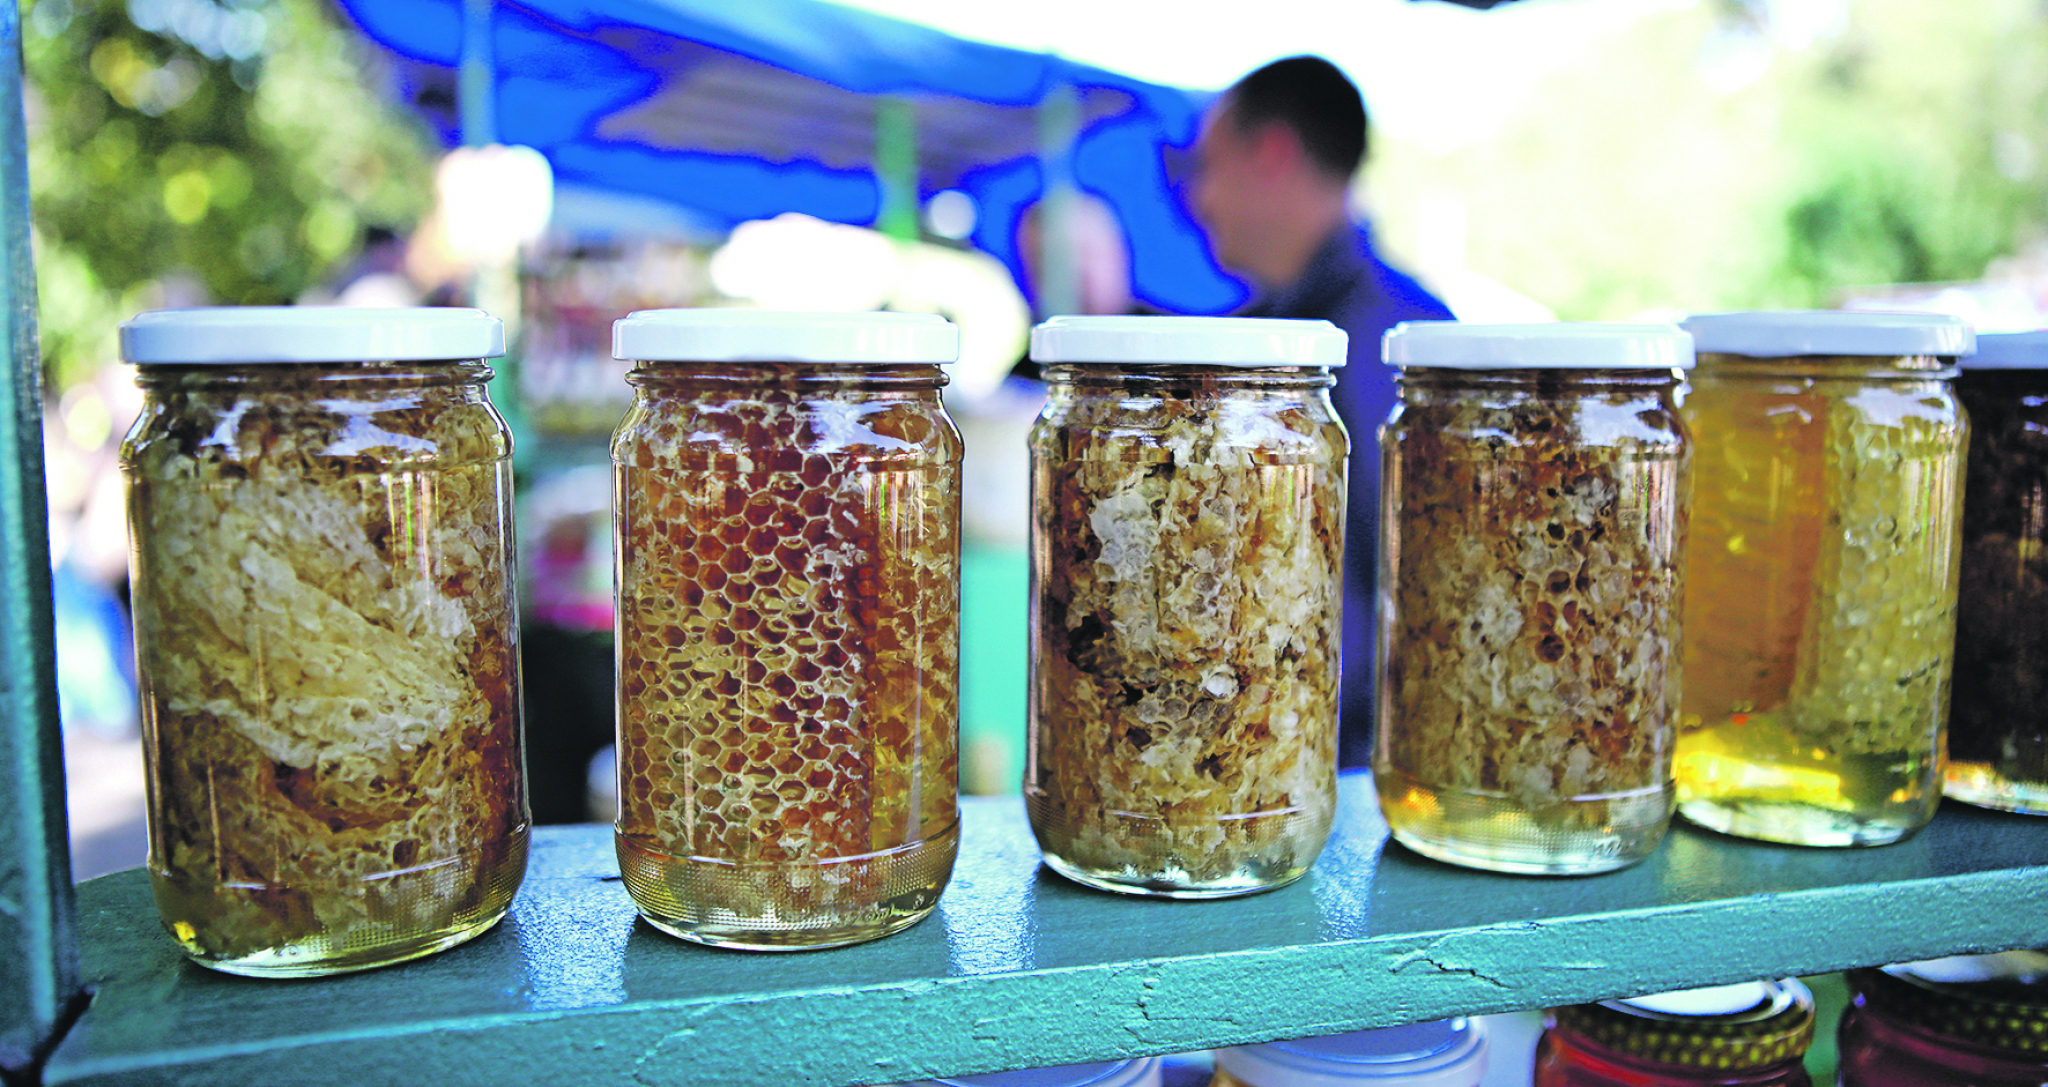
1187 540
1998 716
1533 533
1753 1034
320 520
788 560
1820 602
1980 1020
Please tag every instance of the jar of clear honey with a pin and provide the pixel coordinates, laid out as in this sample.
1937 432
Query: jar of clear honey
1821 591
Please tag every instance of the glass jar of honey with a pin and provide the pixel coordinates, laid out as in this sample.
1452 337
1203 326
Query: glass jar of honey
1187 540
788 563
1753 1034
1533 532
320 521
1980 1020
1820 601
1998 719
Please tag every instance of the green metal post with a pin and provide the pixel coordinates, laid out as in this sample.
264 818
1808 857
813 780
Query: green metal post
896 167
494 287
476 98
38 955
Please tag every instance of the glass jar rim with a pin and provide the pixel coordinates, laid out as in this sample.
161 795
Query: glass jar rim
1747 1026
289 335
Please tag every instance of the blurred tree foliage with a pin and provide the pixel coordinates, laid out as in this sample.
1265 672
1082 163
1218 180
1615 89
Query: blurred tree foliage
196 151
1761 153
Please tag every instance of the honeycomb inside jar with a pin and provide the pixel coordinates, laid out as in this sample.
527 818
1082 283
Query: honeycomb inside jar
1533 532
788 651
326 643
1820 612
1187 585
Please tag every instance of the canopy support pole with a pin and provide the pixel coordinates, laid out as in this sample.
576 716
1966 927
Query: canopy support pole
39 982
896 167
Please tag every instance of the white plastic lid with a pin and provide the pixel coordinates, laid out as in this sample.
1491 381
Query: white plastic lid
288 334
1195 341
1713 1000
1446 1053
2009 351
752 335
1552 346
1783 333
1133 1073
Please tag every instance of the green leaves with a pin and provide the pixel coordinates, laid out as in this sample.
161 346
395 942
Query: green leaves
186 152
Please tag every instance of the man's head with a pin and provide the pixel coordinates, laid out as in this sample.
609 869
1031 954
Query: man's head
1276 154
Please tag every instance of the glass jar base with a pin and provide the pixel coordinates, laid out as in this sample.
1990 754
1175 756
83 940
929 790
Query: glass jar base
1979 784
1577 836
1145 855
227 928
1173 882
312 960
1791 823
787 907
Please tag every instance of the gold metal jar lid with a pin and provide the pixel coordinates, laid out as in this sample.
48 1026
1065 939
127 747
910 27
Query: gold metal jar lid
1728 1027
1999 1001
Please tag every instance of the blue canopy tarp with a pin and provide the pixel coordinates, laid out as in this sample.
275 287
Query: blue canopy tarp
744 110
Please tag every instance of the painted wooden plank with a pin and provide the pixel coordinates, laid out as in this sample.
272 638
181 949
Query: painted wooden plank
38 964
1018 967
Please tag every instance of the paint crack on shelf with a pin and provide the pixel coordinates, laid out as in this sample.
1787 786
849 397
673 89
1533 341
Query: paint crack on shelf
1428 955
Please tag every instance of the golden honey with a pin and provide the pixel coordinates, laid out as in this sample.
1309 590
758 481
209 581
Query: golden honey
1820 606
1532 534
1187 548
326 634
788 629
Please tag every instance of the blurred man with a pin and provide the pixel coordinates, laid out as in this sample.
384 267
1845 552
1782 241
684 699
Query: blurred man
1276 157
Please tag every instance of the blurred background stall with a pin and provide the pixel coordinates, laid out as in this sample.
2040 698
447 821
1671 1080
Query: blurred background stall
1583 159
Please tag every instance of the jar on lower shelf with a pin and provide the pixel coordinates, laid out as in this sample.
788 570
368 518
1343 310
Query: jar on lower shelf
788 511
1998 714
320 512
1445 1053
1138 1072
1748 1035
1980 1020
1533 530
1186 577
1821 590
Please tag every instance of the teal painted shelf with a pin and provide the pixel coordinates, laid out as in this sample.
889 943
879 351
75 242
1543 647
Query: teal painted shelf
1018 967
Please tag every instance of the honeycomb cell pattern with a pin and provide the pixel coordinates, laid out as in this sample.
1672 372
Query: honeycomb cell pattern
1188 540
328 648
788 654
1533 561
1821 616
